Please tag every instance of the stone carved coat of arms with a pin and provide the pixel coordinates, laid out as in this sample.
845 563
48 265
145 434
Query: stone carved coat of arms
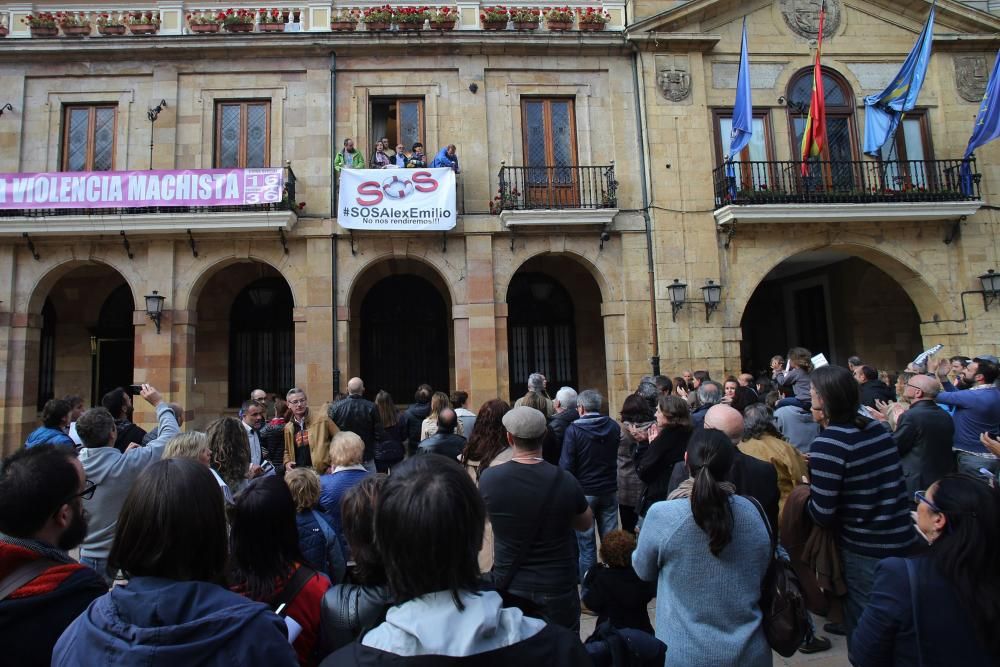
971 77
802 17
674 82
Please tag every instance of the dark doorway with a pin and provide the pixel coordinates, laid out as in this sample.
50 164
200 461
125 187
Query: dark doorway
261 340
810 314
541 332
114 339
404 337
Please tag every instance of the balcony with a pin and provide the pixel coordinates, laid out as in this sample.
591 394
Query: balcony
780 191
532 196
56 218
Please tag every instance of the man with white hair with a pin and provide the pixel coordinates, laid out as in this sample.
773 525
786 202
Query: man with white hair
536 385
564 406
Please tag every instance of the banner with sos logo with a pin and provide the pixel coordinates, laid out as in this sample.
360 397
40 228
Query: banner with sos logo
414 199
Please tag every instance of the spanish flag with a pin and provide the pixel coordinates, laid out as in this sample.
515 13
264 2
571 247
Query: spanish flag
814 137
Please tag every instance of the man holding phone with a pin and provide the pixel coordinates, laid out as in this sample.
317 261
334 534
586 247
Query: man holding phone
252 416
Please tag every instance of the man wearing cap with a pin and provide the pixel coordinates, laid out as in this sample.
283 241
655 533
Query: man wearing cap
535 509
977 411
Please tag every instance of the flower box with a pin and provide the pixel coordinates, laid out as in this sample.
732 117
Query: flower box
3 31
525 25
143 28
443 25
591 27
271 27
111 30
204 27
44 31
343 26
559 26
494 25
376 26
76 30
239 27
409 27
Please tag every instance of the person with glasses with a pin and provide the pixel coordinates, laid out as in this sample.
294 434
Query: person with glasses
307 434
923 434
42 589
940 608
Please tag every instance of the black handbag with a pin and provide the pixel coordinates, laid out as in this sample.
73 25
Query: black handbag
786 619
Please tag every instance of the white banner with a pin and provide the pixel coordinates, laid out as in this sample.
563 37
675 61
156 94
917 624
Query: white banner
412 199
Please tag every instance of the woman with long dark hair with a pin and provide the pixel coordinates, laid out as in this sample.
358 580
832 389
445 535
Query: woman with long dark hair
941 608
655 462
171 544
708 550
266 564
857 485
487 446
389 450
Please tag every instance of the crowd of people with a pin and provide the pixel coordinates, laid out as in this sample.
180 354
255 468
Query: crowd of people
384 157
358 533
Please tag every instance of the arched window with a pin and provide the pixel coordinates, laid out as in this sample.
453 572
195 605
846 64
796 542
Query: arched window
841 133
261 340
115 338
541 332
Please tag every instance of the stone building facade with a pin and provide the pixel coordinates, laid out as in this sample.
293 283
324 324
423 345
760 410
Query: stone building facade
275 297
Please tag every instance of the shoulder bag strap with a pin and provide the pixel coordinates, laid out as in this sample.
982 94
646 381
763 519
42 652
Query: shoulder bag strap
767 524
526 544
24 574
911 572
292 588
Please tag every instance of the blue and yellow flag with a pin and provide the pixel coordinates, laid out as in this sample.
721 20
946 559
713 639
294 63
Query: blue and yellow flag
883 112
743 109
987 126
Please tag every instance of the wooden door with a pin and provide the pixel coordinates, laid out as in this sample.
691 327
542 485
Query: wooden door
550 178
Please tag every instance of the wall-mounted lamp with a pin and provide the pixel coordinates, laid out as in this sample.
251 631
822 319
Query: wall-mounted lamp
678 295
473 87
154 308
6 107
991 287
152 115
713 296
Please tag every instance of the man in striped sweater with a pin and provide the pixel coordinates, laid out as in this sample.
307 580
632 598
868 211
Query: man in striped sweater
857 485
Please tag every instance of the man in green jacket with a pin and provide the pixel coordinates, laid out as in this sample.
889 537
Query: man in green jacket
350 157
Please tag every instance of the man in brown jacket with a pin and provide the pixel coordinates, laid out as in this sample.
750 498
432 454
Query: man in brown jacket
307 434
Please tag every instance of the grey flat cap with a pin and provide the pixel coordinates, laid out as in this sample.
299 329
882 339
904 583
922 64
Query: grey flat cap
525 422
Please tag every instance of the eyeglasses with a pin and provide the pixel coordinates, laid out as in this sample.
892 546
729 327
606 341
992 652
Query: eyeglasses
919 497
300 401
87 493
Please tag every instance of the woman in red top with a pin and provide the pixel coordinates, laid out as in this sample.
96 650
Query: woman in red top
265 562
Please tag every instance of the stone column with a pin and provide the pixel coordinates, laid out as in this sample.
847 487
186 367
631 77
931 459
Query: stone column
20 335
484 344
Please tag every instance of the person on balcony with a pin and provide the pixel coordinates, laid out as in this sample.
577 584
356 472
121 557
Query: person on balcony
380 159
417 159
349 157
447 157
400 158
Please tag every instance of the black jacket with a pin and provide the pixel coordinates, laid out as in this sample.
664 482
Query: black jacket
875 389
618 595
348 610
272 441
358 415
127 434
554 646
924 436
552 447
445 444
656 462
415 416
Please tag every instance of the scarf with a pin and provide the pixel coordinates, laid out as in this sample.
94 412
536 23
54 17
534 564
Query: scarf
687 487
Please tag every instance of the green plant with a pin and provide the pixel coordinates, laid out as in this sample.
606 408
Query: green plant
40 20
206 18
444 15
238 17
559 14
73 20
108 20
592 15
143 18
525 15
345 16
407 14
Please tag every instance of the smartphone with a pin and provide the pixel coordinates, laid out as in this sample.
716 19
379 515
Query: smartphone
266 466
134 389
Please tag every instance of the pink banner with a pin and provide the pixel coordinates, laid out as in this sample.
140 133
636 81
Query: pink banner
136 189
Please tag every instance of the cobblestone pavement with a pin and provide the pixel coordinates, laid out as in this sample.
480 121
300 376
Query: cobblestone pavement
835 657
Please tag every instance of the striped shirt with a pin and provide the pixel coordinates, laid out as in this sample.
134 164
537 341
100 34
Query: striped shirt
857 485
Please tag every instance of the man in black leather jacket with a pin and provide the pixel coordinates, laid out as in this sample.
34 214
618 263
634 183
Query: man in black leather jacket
358 415
445 442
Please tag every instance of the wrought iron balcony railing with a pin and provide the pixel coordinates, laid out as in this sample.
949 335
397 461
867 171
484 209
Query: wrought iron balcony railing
849 182
533 188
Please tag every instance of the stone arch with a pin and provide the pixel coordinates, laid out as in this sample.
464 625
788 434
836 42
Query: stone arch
58 268
188 299
386 264
505 272
897 263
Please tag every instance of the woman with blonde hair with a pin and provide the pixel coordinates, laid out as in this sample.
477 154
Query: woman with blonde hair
346 453
439 401
195 446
